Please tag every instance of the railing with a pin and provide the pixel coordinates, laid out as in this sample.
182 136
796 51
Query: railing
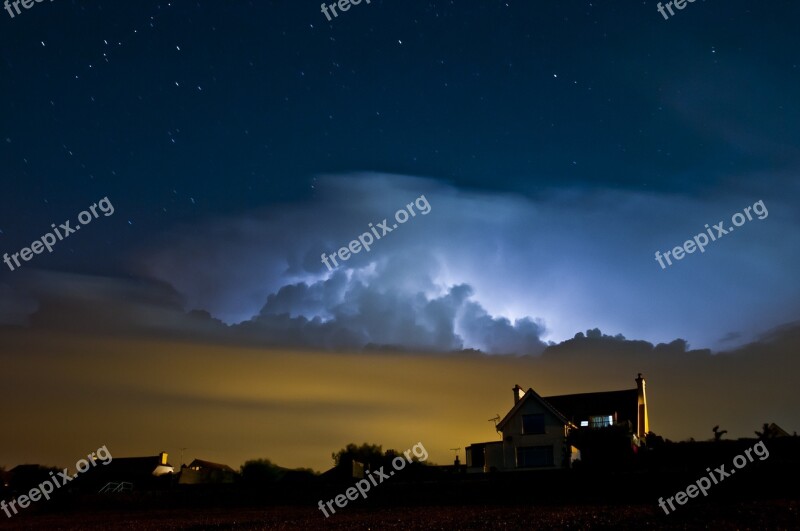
113 487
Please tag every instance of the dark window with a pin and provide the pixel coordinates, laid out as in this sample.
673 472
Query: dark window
532 424
534 456
477 454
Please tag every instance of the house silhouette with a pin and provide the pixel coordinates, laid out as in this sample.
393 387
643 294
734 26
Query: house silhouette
537 432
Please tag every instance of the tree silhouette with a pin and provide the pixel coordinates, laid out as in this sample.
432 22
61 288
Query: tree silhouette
370 455
653 440
258 472
767 432
25 477
718 433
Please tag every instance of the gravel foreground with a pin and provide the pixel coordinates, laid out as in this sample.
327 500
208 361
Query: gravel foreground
781 514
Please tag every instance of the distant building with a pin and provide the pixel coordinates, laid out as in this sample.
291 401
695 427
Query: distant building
141 473
24 477
201 472
536 432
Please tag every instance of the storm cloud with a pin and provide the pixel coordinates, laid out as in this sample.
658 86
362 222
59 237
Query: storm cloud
493 271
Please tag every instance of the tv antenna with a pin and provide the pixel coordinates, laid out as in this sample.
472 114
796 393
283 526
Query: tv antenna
495 419
456 450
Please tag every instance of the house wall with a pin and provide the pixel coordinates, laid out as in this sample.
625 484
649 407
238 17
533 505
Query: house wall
514 438
469 460
494 457
485 457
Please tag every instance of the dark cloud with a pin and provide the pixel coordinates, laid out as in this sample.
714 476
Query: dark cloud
348 313
108 306
598 345
15 307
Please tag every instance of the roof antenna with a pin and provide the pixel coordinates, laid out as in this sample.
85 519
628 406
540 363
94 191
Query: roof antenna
495 419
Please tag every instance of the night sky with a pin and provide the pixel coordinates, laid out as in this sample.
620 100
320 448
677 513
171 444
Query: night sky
559 145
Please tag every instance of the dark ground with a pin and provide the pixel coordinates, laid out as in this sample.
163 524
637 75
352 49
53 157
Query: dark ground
762 515
764 495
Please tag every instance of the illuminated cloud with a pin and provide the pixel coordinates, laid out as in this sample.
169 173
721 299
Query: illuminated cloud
536 268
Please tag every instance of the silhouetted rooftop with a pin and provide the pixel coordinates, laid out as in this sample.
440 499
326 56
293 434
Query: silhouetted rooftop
583 405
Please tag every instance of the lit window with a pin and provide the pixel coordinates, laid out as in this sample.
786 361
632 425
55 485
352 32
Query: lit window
601 421
584 423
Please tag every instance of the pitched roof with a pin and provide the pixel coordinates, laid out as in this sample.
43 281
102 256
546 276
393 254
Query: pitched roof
777 431
208 464
581 406
532 395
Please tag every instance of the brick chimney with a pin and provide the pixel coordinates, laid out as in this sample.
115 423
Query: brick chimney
518 393
643 423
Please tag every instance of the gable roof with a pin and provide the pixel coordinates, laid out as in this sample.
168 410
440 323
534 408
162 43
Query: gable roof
580 406
530 394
